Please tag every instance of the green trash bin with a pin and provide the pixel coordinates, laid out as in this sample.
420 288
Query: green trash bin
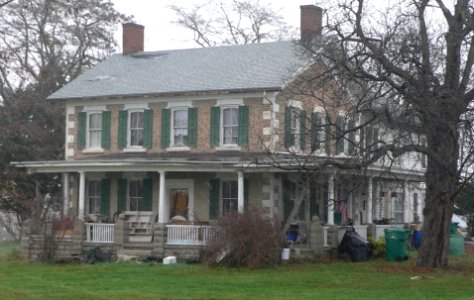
396 244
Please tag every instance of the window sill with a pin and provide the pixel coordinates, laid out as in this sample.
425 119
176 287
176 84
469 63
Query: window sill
134 149
228 148
178 149
93 150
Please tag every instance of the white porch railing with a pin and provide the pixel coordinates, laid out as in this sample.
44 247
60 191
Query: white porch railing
190 235
99 233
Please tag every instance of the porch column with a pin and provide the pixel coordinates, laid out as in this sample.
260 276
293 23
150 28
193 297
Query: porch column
162 207
406 203
240 191
331 199
66 197
82 194
370 200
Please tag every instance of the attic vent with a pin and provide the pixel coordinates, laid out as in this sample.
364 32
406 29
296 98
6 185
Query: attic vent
100 78
150 55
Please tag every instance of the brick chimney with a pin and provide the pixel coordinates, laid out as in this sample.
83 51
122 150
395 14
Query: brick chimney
311 22
133 38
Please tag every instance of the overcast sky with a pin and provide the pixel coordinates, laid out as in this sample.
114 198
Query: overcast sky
160 31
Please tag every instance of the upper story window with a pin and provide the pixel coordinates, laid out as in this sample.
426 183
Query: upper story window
345 135
320 132
295 128
229 126
179 127
93 130
135 128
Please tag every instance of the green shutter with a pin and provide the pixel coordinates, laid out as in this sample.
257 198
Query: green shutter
122 195
288 137
192 126
246 194
368 138
147 194
148 128
215 126
243 135
339 135
327 139
362 141
122 129
106 119
214 191
302 116
105 197
423 156
350 127
81 130
315 130
287 203
165 127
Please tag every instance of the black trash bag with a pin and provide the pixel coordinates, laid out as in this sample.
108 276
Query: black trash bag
96 255
358 248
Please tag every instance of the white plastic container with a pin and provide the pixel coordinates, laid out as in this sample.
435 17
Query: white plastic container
169 260
285 254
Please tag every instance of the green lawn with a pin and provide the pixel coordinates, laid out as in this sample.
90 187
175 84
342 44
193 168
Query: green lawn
376 279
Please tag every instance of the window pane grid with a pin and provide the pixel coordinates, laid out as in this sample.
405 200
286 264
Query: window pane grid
95 130
94 192
136 195
230 125
136 129
229 196
180 127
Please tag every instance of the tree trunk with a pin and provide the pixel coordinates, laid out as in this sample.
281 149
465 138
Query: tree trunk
441 181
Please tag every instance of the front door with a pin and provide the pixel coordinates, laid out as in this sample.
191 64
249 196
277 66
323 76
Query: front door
180 199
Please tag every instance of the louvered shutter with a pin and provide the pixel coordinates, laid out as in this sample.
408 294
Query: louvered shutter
105 197
214 191
350 127
243 134
81 130
302 116
215 126
106 120
192 127
147 194
165 127
122 195
315 131
148 128
339 135
288 137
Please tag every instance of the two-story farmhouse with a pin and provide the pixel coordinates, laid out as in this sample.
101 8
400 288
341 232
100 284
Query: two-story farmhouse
161 144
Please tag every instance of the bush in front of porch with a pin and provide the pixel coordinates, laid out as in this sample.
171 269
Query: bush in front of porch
246 239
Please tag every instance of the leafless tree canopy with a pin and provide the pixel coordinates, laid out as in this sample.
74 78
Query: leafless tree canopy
232 22
409 67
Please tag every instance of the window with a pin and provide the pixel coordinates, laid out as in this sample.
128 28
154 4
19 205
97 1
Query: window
95 130
230 125
136 129
136 195
398 208
94 194
223 196
295 120
416 217
180 127
229 196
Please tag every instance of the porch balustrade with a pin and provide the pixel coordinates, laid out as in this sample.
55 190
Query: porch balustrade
191 235
99 233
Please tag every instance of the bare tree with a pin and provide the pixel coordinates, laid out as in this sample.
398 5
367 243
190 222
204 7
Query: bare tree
43 45
234 22
410 68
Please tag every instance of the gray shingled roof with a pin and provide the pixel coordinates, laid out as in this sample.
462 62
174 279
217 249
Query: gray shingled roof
228 68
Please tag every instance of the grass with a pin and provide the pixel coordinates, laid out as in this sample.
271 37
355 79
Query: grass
375 279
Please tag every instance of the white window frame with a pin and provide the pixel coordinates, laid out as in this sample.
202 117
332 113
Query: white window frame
172 127
88 130
222 131
129 128
129 197
222 199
